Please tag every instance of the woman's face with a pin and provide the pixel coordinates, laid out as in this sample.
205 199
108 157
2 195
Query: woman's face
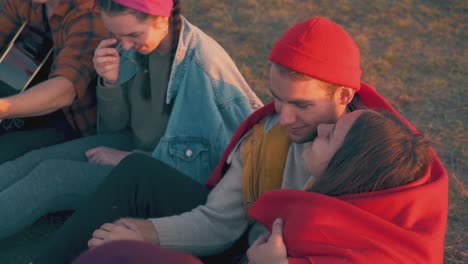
330 138
142 36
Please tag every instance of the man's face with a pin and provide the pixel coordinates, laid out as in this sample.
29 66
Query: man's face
302 104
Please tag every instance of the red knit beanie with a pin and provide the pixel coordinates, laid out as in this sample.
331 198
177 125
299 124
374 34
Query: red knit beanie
321 49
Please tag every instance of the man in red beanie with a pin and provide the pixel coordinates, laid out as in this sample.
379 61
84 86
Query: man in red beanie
315 78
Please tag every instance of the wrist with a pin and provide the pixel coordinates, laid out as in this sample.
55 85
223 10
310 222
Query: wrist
4 106
152 235
148 231
107 83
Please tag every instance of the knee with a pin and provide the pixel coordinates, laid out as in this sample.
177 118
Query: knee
139 169
129 168
46 166
133 162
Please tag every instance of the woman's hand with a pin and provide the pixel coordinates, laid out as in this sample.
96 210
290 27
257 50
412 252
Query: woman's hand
269 249
106 61
124 229
105 155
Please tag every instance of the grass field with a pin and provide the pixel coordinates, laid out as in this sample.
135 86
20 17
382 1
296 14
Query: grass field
413 51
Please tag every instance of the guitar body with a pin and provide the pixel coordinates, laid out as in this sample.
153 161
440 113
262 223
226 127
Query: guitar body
24 62
27 56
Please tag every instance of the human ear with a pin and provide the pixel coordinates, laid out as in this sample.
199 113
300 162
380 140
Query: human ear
160 22
344 95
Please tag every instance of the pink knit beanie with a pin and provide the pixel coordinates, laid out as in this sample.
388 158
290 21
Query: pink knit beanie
150 7
321 49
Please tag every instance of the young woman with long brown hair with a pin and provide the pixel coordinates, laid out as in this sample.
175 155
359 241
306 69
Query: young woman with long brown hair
373 201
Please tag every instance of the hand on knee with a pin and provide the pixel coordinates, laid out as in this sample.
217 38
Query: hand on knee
124 229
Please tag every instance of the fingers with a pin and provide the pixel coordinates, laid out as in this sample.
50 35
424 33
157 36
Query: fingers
107 68
101 61
105 233
107 43
260 240
94 151
128 223
105 155
105 52
277 227
100 236
91 152
105 48
109 227
94 242
106 60
277 231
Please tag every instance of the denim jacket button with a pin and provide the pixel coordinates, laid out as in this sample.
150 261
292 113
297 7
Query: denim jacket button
188 153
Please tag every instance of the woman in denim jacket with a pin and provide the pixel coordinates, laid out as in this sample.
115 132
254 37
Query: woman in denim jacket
165 89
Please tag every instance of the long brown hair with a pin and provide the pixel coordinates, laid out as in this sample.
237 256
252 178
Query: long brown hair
379 152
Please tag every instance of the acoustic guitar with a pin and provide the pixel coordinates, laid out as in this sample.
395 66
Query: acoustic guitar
23 58
26 57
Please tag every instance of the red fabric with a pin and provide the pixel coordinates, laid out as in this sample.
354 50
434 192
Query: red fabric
150 7
322 49
405 224
132 252
400 225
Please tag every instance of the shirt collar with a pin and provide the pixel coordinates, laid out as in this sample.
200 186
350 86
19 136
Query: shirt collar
61 10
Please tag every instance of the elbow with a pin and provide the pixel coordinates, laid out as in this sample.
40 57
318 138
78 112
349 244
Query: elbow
67 97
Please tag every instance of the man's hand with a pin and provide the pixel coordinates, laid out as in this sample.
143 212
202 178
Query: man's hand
124 229
269 250
105 155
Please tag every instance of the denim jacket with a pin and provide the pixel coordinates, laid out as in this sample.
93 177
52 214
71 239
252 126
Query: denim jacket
210 99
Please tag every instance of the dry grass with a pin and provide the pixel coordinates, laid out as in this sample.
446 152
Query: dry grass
413 51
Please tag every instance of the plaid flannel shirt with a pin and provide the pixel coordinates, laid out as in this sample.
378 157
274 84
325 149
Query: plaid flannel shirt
76 31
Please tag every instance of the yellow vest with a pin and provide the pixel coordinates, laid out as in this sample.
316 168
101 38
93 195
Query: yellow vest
263 160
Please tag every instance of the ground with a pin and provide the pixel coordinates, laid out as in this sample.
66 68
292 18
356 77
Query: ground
413 52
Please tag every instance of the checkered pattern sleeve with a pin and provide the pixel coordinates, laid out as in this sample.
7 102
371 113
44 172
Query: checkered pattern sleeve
79 33
9 20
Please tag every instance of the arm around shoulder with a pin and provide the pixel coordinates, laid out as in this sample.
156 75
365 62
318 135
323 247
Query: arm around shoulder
211 228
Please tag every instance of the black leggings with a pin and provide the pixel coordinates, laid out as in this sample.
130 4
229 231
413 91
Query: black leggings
139 187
